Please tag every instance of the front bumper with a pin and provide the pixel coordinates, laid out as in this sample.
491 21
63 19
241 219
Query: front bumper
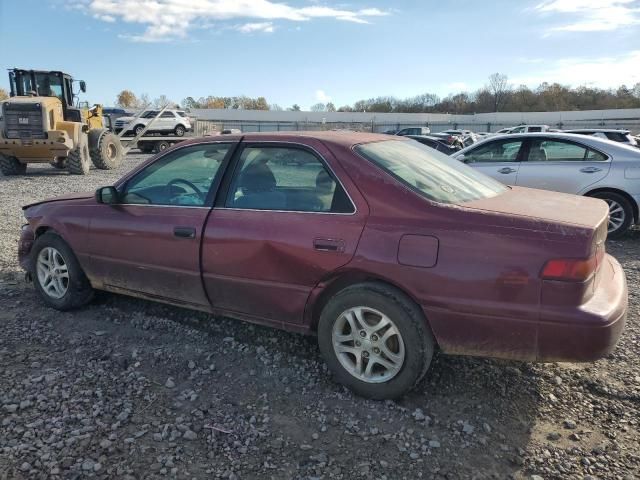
592 330
27 237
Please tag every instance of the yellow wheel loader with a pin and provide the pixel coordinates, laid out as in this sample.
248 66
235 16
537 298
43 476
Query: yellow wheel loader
40 124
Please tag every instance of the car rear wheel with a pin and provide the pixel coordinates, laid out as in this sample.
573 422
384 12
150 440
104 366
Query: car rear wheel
161 146
620 213
57 275
375 340
179 130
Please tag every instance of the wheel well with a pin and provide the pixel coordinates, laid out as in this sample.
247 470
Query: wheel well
42 230
634 205
348 279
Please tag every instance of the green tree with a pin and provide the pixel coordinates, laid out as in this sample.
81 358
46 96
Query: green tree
294 108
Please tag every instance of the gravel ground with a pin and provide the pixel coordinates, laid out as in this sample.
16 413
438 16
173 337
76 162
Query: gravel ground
131 389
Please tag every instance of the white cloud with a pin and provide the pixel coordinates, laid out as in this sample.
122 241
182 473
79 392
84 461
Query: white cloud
166 20
592 15
266 27
322 97
605 72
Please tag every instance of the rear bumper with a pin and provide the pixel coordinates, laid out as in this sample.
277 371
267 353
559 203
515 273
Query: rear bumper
580 333
37 149
592 330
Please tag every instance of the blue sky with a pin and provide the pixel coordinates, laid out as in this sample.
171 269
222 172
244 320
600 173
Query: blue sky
303 51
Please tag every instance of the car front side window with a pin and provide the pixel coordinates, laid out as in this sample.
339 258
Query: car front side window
499 151
183 177
286 179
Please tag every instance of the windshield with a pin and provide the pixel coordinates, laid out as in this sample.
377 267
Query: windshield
430 173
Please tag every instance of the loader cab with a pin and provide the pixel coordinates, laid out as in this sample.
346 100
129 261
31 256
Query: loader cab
42 83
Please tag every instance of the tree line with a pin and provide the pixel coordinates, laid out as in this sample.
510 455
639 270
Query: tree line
498 95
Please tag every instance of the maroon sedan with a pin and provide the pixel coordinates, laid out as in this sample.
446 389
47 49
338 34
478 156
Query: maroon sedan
384 248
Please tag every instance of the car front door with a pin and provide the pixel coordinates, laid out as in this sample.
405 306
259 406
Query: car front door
148 243
499 159
285 222
561 165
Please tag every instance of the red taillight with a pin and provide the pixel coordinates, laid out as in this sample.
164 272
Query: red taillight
572 269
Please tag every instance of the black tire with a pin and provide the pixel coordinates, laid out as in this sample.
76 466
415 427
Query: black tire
409 320
59 163
179 130
78 292
79 159
11 166
626 213
105 149
137 130
161 146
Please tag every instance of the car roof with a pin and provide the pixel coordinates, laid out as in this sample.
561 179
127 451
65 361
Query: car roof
344 138
605 130
595 142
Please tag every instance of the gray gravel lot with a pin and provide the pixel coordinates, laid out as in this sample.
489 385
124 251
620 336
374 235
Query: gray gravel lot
131 389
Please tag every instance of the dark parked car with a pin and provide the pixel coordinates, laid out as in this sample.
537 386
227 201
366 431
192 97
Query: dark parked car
437 143
386 249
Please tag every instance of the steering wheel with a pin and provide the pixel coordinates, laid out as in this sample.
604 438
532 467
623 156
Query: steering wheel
188 184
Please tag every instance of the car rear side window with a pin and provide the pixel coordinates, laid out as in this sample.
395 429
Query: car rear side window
431 174
541 150
285 179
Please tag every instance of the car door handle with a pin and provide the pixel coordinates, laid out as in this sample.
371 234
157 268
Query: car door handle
328 244
590 169
184 232
506 170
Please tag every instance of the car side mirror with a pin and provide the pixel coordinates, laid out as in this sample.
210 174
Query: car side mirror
462 158
107 195
83 86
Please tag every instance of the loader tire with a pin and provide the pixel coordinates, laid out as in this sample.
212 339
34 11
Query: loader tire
105 149
11 166
79 159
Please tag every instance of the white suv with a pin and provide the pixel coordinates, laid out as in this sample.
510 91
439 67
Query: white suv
174 122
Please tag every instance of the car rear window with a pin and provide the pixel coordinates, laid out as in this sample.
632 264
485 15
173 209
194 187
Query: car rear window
617 136
431 174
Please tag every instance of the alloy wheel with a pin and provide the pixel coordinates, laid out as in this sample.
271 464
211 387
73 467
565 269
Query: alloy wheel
52 272
617 215
368 344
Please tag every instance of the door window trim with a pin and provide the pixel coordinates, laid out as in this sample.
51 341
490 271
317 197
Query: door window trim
223 190
213 189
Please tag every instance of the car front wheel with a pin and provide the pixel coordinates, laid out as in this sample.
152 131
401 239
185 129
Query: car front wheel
375 340
57 275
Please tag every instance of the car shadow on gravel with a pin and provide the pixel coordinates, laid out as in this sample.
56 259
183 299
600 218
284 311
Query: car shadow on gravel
486 407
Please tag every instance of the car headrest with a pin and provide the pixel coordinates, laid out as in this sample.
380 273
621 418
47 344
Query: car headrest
324 182
257 177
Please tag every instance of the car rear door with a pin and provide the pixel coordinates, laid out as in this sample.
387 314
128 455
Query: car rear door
499 158
551 163
288 218
148 243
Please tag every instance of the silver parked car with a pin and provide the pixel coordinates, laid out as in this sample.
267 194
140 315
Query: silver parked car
565 162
